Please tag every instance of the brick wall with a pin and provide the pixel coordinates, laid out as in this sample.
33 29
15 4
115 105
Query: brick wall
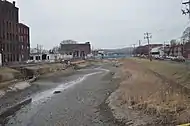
77 50
13 42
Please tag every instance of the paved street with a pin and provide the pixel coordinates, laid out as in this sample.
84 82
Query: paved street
81 103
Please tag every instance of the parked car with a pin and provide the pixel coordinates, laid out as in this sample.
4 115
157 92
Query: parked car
160 58
29 61
180 59
172 58
157 57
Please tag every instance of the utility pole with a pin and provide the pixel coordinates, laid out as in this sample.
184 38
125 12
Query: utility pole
183 52
187 9
134 51
38 51
139 42
148 36
41 49
164 47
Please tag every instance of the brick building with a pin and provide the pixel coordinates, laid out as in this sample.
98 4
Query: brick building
14 36
187 50
180 50
176 50
77 50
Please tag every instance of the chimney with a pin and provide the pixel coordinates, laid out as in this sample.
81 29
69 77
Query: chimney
14 3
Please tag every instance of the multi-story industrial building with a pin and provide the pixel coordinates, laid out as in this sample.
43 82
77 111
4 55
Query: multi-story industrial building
14 36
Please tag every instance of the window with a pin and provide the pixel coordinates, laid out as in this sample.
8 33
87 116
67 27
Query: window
4 26
13 37
13 57
0 30
24 38
17 37
19 30
3 36
13 28
3 46
7 36
31 58
4 57
28 39
7 26
20 38
13 16
17 16
10 36
8 47
26 31
11 47
17 27
17 57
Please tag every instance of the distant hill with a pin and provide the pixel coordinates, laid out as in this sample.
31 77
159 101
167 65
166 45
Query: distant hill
126 50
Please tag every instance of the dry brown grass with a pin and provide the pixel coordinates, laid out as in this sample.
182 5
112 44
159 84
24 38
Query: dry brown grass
157 88
7 74
46 68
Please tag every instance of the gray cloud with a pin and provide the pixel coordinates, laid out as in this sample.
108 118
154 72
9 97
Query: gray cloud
105 23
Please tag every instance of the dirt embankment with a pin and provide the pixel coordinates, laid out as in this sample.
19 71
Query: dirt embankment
152 93
10 76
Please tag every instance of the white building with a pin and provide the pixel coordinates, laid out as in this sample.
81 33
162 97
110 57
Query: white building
157 51
49 57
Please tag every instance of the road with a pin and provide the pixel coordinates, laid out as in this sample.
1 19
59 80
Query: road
80 103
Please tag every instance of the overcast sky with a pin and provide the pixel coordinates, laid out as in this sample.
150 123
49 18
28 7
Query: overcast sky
105 23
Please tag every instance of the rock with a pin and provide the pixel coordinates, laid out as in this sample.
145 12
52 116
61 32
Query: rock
112 73
56 92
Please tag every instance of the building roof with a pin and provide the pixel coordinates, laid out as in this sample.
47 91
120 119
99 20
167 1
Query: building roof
8 3
23 25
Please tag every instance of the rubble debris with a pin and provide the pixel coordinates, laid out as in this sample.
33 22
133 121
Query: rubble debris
56 92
